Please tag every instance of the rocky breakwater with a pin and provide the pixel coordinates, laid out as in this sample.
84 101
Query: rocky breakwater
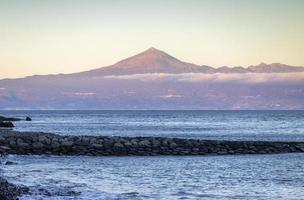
43 143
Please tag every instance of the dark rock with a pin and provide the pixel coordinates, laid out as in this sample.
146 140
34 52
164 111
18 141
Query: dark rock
300 147
6 124
155 143
222 152
128 144
37 145
118 145
28 119
9 191
44 192
59 192
44 139
21 143
55 145
67 142
12 119
195 149
173 145
134 142
10 163
231 152
97 146
108 143
144 143
4 149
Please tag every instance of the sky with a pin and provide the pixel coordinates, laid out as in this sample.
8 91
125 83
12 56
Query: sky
64 36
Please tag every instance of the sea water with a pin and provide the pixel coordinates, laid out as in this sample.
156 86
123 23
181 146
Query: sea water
224 125
279 176
264 177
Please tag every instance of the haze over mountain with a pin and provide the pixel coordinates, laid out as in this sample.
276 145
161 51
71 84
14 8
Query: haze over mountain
155 80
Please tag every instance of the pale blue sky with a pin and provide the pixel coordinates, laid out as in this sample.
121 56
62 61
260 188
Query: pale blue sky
53 36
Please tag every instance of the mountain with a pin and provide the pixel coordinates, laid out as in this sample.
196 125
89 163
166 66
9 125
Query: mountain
149 61
155 80
274 68
156 61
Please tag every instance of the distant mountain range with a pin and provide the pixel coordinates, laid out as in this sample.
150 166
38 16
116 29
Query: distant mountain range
155 80
157 61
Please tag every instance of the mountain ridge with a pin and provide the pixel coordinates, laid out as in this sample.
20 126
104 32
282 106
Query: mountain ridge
154 60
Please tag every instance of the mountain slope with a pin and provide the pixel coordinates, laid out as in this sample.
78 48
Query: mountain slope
149 61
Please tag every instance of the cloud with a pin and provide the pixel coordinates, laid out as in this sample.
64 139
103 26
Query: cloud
217 77
84 93
130 93
171 96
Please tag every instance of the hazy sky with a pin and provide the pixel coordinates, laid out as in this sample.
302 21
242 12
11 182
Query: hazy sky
52 36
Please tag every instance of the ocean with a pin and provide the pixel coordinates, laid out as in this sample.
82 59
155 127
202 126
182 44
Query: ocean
266 177
223 125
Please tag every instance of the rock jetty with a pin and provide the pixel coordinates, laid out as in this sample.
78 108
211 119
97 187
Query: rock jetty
27 143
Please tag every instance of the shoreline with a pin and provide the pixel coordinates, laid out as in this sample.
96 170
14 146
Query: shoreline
38 143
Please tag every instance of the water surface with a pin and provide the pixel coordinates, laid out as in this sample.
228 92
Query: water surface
215 177
227 125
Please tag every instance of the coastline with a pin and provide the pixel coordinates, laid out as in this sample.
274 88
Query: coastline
37 143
